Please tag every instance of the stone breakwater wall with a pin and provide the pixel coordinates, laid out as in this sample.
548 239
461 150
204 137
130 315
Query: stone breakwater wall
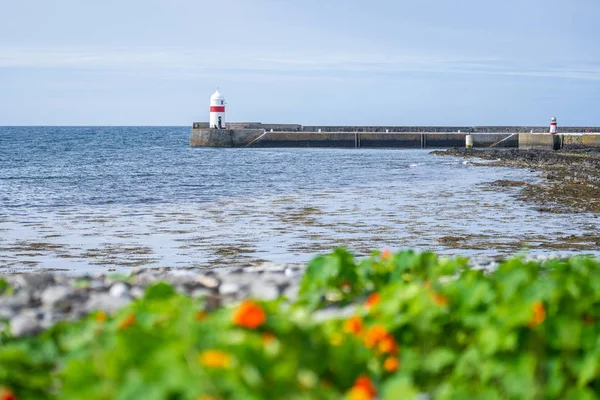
401 129
207 137
555 142
256 134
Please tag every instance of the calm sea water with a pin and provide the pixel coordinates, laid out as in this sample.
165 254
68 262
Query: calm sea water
90 199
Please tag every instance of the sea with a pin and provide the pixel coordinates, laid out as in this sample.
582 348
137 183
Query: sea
97 199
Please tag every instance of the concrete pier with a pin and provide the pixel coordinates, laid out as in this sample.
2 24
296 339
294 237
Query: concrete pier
532 141
255 134
208 137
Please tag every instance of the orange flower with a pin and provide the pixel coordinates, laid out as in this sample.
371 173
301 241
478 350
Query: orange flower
101 316
539 314
439 299
214 359
128 321
385 254
363 389
391 364
353 325
374 335
200 315
372 300
359 393
387 345
249 315
7 394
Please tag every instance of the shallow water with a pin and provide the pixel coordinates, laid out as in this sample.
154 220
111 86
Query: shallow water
90 199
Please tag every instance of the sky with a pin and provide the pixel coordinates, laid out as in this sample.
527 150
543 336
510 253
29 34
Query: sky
311 62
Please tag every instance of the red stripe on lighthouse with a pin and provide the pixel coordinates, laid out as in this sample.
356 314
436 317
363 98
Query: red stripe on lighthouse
217 109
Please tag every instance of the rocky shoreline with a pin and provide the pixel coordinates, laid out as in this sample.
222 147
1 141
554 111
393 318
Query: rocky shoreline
33 302
571 176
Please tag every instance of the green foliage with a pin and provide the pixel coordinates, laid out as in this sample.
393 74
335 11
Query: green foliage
5 288
524 330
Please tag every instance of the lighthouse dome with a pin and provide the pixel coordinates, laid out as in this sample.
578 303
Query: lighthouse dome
217 96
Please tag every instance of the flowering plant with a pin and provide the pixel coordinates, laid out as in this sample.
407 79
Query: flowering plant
419 325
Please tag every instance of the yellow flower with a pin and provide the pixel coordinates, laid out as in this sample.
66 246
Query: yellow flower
214 359
359 393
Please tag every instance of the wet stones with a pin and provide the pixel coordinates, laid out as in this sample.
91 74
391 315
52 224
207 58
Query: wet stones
38 301
57 298
25 324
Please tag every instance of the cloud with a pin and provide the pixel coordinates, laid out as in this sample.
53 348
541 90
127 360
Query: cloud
189 63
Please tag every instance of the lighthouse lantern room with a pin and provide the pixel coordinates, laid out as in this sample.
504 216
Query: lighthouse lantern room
553 125
217 110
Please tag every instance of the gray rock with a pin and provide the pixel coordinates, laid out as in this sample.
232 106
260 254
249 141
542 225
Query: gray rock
17 301
50 318
207 281
293 272
119 289
35 282
201 292
25 324
6 313
97 284
264 290
229 288
291 292
136 292
105 302
266 267
57 297
145 279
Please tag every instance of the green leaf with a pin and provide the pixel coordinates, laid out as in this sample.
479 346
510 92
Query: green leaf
5 288
400 387
159 291
438 359
589 369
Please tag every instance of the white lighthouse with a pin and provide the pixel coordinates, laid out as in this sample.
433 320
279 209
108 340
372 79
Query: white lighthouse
553 126
217 110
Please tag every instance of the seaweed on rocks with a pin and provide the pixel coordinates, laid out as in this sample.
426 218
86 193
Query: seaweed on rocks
571 176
